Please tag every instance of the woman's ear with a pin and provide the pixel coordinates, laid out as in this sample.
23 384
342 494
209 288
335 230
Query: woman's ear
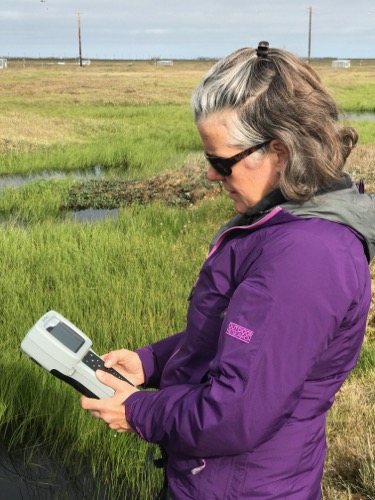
280 152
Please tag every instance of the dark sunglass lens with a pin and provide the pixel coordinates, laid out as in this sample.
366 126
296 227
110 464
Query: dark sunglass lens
225 170
216 163
222 169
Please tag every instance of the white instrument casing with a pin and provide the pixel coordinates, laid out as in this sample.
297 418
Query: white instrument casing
64 350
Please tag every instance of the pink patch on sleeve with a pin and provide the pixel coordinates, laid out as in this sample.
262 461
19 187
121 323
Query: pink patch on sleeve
239 332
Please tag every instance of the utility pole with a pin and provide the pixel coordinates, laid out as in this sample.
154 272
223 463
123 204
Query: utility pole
79 38
309 49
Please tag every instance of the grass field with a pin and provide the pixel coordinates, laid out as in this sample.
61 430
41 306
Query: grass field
133 119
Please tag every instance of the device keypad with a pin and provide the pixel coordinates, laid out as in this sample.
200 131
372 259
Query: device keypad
95 362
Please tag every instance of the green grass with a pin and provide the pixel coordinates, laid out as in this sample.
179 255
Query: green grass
104 278
356 98
366 361
39 200
135 142
365 129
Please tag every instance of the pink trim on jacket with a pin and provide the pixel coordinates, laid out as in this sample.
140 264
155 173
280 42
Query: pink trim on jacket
269 216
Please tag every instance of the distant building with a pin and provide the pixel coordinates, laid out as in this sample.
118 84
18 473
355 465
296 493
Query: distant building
341 63
3 63
164 63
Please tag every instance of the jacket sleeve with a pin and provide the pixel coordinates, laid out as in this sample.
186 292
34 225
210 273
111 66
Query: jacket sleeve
155 356
280 320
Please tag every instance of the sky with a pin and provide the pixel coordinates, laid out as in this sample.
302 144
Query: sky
189 29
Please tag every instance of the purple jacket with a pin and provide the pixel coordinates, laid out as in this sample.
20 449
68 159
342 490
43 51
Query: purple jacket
274 326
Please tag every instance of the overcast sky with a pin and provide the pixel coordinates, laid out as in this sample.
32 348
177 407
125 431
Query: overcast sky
142 29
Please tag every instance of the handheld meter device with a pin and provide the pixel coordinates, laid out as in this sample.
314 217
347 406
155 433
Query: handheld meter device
61 348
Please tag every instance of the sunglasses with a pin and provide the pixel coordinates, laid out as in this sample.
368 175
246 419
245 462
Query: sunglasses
224 165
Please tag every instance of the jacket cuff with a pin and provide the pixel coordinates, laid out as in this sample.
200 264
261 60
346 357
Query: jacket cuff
147 358
131 404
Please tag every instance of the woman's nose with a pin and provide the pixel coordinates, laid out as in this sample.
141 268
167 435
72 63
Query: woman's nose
213 175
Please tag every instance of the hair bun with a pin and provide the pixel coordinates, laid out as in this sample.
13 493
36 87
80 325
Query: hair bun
262 50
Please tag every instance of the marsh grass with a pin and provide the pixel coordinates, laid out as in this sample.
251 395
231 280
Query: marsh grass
125 281
104 278
350 463
36 201
129 116
135 142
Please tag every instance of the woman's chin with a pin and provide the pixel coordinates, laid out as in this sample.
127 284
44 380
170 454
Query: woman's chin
240 208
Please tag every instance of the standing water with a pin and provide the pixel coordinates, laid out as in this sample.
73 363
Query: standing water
358 116
31 475
20 180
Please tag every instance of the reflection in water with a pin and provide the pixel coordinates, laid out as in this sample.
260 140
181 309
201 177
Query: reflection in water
358 116
94 214
30 475
87 215
20 180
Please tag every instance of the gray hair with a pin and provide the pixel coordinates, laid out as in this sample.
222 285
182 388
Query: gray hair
279 97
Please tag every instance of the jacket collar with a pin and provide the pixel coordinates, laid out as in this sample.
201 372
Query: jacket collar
336 202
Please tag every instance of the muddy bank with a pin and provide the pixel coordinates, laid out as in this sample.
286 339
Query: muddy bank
183 187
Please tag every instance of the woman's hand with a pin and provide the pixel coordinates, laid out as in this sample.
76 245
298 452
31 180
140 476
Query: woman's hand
111 410
127 363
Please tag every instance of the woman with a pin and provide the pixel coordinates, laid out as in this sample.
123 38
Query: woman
278 314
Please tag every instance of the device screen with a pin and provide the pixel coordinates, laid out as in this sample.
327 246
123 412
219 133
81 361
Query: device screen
66 336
